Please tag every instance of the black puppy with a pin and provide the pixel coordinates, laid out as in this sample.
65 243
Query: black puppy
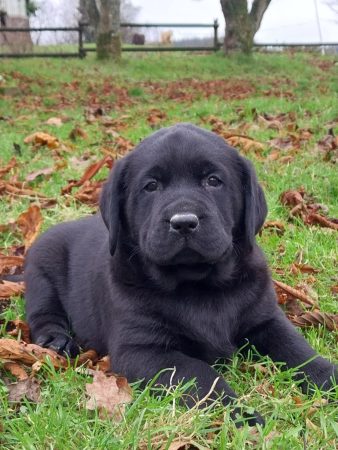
169 275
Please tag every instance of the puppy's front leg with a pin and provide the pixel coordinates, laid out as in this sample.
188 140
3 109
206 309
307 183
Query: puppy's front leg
143 363
279 339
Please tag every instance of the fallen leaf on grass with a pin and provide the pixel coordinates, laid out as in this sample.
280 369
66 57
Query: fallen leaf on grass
302 206
303 268
19 189
78 132
316 318
334 289
29 223
28 388
295 293
10 289
90 356
89 173
329 146
45 172
19 328
155 117
109 394
183 444
28 354
317 219
40 139
10 262
274 225
8 167
56 121
235 139
16 370
89 193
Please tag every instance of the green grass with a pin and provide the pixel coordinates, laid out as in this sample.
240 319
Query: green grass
35 90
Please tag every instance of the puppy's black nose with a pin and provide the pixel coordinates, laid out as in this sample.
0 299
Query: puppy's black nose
184 223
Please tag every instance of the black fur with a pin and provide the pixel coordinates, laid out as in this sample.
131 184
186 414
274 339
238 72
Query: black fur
153 298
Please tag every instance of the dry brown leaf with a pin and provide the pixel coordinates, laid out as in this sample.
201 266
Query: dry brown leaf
55 121
89 357
89 173
45 172
317 219
245 143
89 193
294 293
29 223
292 198
183 444
78 132
303 268
10 262
40 139
16 370
109 394
155 117
28 388
18 189
334 289
293 307
19 328
8 167
303 206
275 225
316 318
103 364
329 146
28 354
10 289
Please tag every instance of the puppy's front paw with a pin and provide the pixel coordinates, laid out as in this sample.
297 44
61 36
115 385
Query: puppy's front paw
324 375
61 343
242 417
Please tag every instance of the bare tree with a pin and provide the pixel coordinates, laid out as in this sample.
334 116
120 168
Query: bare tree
242 24
90 15
108 43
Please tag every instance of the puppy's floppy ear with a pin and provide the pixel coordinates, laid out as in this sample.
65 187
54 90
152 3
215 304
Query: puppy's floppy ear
110 202
255 207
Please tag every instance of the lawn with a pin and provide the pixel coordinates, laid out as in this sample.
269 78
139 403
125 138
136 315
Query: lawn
281 111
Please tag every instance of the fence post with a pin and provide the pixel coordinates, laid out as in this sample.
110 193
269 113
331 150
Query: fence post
82 52
216 25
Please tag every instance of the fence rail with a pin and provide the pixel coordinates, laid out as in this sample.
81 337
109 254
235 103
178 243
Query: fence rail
82 50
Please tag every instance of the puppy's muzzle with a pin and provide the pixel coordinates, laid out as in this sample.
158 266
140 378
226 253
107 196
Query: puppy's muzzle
184 223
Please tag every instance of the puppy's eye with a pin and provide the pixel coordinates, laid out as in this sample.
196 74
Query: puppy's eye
213 181
151 186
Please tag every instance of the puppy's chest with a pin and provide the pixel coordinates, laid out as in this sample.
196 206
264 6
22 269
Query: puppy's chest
205 325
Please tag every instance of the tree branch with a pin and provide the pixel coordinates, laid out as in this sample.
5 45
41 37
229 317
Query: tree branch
257 11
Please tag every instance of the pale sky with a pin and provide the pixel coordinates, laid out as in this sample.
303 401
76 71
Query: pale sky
284 20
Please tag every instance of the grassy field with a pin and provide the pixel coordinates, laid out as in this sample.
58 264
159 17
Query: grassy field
248 97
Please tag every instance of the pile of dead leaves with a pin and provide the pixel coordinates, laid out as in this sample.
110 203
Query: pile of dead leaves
302 309
188 90
236 139
109 393
303 206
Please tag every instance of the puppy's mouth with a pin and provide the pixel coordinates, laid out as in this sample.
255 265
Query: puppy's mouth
187 257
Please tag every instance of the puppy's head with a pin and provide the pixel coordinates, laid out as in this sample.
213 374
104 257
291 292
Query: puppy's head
185 203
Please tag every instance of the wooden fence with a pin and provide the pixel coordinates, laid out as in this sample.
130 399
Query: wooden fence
82 49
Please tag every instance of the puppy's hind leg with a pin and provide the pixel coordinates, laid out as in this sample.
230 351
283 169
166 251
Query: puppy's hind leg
46 317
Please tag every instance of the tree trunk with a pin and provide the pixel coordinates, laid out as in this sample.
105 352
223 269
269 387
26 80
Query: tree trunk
242 25
108 44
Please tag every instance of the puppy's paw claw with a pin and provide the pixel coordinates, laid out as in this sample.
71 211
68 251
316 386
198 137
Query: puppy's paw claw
61 343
